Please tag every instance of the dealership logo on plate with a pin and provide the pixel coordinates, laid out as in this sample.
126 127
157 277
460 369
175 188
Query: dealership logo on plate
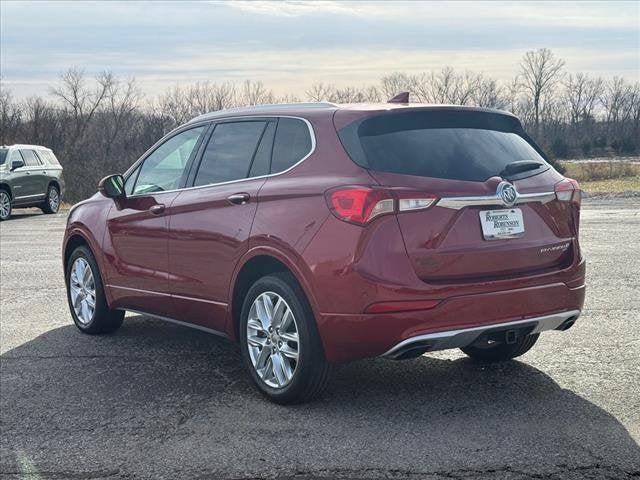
507 193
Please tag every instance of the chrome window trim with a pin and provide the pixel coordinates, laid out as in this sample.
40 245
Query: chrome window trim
457 203
223 120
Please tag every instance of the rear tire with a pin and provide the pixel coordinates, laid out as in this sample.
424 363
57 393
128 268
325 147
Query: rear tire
306 372
52 201
502 351
85 294
5 205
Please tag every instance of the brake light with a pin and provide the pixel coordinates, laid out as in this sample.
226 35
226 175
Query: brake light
568 190
359 205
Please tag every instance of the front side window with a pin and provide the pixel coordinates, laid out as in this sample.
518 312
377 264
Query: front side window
165 167
30 159
3 155
230 152
292 144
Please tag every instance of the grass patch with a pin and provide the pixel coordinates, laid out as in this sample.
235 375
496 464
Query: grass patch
612 185
593 171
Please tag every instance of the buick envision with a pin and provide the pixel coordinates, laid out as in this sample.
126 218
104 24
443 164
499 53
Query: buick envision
317 233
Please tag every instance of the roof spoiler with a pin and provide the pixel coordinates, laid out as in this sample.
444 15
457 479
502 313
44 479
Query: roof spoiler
402 97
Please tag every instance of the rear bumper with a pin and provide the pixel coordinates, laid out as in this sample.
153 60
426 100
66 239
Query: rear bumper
352 336
461 338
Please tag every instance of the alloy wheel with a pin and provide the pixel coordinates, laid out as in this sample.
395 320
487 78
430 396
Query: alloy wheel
82 289
272 339
54 199
5 205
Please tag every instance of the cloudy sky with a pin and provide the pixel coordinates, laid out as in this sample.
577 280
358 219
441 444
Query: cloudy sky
291 45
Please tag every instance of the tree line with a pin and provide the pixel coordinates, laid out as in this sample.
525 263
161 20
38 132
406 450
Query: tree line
101 125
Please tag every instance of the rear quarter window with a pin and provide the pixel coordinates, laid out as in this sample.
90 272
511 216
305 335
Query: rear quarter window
292 143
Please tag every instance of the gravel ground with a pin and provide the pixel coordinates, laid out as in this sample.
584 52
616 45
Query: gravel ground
160 401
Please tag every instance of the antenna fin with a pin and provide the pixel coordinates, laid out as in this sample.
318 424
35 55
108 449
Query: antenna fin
402 97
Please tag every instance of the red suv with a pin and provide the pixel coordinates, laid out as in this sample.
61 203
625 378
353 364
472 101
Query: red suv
320 233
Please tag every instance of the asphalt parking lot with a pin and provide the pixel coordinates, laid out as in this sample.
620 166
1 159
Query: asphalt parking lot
157 400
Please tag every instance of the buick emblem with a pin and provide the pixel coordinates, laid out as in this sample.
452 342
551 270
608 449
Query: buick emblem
507 193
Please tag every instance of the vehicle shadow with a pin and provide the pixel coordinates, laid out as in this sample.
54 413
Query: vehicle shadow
154 396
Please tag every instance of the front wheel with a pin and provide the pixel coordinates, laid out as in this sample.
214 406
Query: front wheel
52 202
85 293
280 342
500 352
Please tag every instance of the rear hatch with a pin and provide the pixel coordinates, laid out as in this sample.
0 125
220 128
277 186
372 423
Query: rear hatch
448 170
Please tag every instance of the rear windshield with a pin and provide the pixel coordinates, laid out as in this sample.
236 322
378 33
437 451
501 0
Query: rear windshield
3 155
456 145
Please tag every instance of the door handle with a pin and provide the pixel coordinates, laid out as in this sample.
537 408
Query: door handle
239 198
44 172
157 209
28 173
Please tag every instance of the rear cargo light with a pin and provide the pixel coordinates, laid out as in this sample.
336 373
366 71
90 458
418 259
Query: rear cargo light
410 306
568 190
359 205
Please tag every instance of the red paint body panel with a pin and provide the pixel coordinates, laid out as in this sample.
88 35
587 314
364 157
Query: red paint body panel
184 262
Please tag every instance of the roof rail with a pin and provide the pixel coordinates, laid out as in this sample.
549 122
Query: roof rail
259 108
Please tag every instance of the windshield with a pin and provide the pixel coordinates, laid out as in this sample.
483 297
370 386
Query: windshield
456 145
3 155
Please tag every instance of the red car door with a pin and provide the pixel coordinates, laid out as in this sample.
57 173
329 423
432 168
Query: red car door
210 223
135 242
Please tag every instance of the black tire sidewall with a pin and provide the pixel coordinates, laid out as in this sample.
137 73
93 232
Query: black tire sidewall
308 341
94 326
47 202
10 206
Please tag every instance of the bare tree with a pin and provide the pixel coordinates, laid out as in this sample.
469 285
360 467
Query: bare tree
10 117
582 94
255 93
81 101
540 70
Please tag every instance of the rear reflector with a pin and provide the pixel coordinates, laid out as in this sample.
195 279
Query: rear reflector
411 306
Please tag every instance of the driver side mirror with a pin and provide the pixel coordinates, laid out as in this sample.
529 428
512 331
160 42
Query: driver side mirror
16 163
112 186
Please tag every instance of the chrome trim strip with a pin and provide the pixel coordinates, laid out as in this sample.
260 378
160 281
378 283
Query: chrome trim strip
212 302
457 203
313 149
139 290
30 196
178 322
466 336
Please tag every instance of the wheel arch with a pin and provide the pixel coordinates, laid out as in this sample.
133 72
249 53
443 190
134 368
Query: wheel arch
256 264
5 186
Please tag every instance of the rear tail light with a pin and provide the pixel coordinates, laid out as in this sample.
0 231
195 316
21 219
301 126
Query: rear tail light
410 200
568 190
360 204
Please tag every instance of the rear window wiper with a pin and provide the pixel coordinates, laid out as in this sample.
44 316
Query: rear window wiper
520 166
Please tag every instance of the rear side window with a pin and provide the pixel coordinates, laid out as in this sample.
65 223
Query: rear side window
48 157
292 144
3 155
462 145
30 158
229 153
